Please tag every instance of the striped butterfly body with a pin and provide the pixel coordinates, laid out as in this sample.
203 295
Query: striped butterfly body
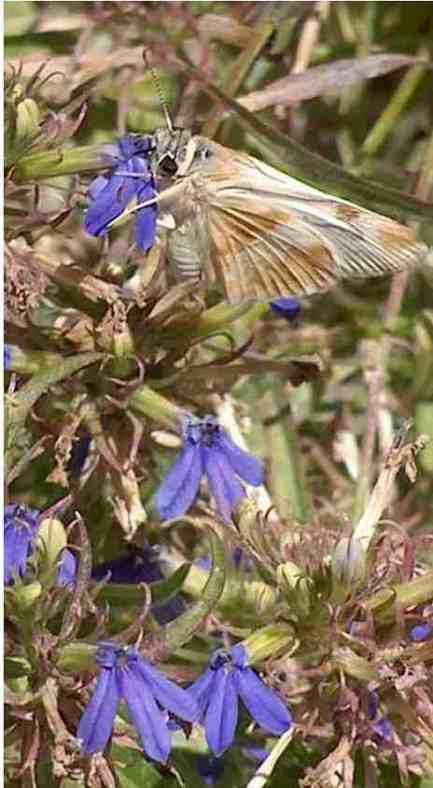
262 233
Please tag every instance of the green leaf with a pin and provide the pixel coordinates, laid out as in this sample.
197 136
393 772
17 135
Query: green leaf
19 17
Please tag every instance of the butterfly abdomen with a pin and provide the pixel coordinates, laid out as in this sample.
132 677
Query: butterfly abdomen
187 250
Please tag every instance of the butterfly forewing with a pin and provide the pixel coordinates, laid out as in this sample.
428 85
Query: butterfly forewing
265 234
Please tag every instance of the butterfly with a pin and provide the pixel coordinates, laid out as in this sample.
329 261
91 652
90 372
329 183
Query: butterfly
260 233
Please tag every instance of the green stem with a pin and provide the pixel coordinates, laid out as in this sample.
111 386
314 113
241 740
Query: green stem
386 123
286 471
183 627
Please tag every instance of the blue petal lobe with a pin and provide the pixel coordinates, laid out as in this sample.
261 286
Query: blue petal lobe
225 487
421 632
145 227
384 728
168 695
68 569
97 722
16 547
222 713
248 467
110 203
202 689
145 714
286 307
96 186
264 705
180 487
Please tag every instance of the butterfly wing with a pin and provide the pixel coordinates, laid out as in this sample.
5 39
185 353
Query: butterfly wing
271 235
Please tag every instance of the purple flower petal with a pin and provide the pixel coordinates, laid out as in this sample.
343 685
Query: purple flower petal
202 690
257 754
145 226
179 489
222 713
139 566
20 528
384 728
264 705
286 307
68 569
372 704
7 356
209 769
110 203
132 145
96 186
168 695
239 656
225 487
421 632
97 721
248 467
145 714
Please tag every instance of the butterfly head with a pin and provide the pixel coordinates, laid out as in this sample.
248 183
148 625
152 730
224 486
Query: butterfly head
177 152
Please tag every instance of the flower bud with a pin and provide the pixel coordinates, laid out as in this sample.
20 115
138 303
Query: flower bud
268 642
349 567
21 598
48 164
296 587
261 596
151 404
27 121
22 124
75 657
50 544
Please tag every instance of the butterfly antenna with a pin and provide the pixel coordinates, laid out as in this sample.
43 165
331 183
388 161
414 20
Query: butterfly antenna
158 88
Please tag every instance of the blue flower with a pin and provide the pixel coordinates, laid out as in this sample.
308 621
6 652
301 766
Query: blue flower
140 566
68 569
286 307
209 769
257 754
207 451
21 525
126 676
20 528
7 356
217 693
421 632
130 178
382 727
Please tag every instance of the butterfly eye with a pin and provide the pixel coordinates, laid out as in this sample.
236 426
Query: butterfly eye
167 165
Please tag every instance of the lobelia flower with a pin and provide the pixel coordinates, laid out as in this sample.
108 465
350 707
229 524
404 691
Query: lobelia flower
7 356
126 676
67 569
382 727
21 526
130 178
421 632
209 769
207 451
140 566
218 690
289 308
